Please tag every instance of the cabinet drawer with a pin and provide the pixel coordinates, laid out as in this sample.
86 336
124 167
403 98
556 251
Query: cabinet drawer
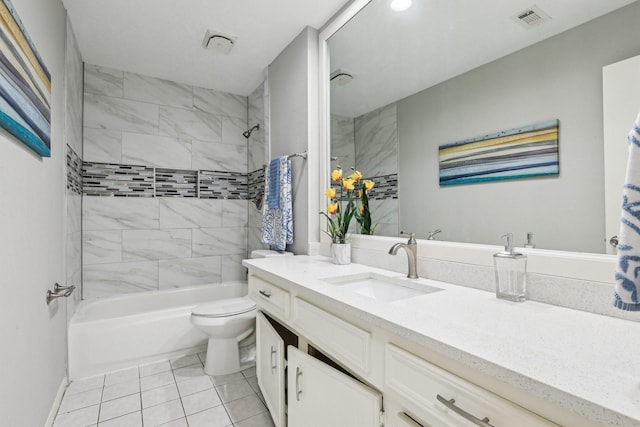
347 343
420 383
269 297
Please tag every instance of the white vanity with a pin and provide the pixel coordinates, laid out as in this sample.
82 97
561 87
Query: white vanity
329 355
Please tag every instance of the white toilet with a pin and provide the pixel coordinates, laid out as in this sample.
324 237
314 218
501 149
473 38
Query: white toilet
228 322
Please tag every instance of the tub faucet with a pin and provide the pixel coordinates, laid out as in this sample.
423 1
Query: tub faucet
411 247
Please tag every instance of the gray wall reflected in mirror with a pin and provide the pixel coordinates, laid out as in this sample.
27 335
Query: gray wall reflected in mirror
558 78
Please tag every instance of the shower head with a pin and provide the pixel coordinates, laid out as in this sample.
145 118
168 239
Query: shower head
247 133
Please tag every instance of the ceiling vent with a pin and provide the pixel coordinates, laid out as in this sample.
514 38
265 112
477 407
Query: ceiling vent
341 77
531 17
218 42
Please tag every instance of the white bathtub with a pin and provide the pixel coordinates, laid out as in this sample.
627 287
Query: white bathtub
119 332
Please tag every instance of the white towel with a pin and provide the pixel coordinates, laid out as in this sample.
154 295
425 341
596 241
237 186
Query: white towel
628 268
277 223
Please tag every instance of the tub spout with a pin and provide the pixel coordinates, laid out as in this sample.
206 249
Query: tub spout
411 248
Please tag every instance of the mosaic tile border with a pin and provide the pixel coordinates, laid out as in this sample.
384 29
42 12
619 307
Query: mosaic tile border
223 185
385 188
74 171
121 180
176 183
110 179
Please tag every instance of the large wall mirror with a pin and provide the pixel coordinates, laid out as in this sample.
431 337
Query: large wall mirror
405 83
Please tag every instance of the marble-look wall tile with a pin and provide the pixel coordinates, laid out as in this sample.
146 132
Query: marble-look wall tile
232 268
138 245
116 213
232 129
74 212
103 112
73 92
216 241
220 103
157 91
343 143
156 151
190 124
101 247
219 157
178 273
104 280
103 81
102 145
235 213
376 140
190 213
254 235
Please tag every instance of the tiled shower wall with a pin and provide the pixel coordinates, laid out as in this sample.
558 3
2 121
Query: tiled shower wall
165 184
370 142
73 140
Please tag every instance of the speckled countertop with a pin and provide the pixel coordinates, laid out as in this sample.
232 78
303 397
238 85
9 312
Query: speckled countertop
584 362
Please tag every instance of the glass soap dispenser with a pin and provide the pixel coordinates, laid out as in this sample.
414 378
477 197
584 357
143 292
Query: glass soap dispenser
510 270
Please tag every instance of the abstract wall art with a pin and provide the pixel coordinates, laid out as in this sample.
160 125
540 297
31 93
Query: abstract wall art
525 152
25 85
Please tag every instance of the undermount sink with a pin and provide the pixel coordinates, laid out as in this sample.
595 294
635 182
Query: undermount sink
380 287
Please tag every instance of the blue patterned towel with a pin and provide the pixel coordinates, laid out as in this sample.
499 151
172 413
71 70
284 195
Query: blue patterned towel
625 296
277 223
273 196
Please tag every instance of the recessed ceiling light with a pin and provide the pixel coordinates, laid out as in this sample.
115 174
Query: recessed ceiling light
400 5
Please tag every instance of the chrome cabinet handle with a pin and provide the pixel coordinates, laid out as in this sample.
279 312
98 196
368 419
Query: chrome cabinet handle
409 419
298 391
265 293
464 414
273 363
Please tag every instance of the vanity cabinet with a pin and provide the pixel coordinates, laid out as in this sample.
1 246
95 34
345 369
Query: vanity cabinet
321 396
317 368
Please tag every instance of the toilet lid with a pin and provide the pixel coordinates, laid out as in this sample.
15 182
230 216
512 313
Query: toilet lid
224 307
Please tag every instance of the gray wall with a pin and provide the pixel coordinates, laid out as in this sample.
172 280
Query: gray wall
32 229
292 79
560 78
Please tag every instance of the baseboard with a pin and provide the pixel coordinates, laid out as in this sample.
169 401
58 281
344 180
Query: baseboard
56 403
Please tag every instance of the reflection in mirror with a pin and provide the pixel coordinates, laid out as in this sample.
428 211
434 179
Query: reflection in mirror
442 72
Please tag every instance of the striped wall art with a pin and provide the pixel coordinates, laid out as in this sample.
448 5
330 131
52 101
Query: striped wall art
25 85
517 153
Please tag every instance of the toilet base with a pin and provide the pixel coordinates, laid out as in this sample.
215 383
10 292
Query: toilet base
223 356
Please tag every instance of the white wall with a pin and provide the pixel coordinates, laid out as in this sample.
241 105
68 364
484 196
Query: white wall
32 217
293 88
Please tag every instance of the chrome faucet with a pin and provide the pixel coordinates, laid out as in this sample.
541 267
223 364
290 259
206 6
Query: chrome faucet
431 234
411 247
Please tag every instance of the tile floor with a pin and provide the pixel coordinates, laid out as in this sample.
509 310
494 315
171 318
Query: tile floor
171 393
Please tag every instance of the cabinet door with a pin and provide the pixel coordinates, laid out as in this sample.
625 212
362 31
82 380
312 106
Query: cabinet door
270 368
320 396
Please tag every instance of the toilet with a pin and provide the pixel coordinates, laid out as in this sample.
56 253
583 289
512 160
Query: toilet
230 324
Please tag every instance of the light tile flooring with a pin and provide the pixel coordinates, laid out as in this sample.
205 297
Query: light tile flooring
171 393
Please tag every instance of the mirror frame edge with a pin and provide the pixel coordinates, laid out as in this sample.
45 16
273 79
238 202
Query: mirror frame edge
574 265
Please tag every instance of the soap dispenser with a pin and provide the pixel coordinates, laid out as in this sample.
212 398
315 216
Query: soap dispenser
510 270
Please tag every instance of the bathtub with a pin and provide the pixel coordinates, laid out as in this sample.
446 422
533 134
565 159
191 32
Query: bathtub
119 332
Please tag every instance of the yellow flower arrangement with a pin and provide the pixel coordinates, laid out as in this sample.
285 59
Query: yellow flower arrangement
342 206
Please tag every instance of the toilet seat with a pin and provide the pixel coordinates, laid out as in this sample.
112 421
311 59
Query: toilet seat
224 308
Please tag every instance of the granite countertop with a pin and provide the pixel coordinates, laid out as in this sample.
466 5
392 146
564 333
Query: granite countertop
584 362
